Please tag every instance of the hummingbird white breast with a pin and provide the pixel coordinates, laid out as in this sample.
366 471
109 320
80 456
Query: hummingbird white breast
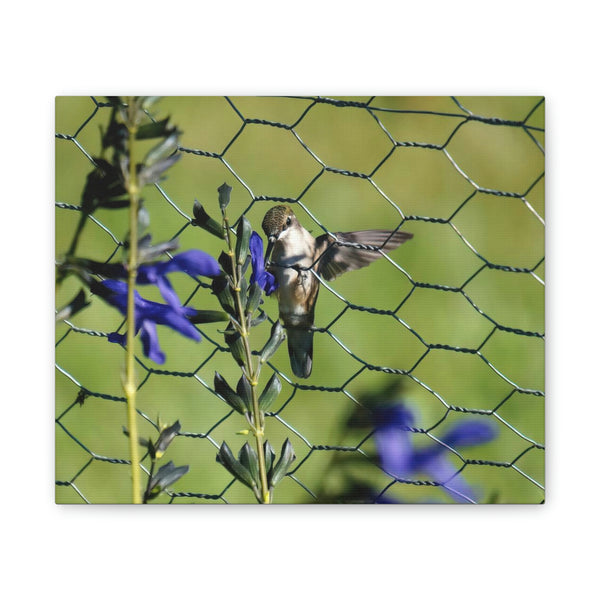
295 247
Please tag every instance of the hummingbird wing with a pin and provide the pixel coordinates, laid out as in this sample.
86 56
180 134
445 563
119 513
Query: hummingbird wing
354 250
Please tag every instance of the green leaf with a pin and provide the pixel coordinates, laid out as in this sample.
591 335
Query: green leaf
226 392
248 458
247 263
153 173
209 316
270 392
254 298
243 291
285 460
221 288
277 336
261 317
164 477
225 261
151 449
148 252
153 130
242 245
244 391
202 219
224 196
234 340
113 204
225 457
162 150
167 435
269 456
105 182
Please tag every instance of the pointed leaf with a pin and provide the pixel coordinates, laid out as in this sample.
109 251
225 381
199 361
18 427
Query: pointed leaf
269 456
254 298
103 183
164 477
209 316
285 460
242 245
153 174
243 291
225 261
261 317
270 392
277 336
153 130
110 204
224 390
162 150
149 253
221 288
234 340
167 435
249 459
244 390
202 219
247 263
241 473
224 196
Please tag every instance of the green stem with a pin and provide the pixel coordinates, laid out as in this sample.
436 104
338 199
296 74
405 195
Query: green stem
129 385
258 426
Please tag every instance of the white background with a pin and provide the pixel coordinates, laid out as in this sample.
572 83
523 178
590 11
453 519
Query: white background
384 48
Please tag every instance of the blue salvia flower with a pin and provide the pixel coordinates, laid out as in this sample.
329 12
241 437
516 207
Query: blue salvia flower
192 262
401 459
148 314
259 274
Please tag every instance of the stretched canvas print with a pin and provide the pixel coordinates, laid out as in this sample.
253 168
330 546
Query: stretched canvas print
299 300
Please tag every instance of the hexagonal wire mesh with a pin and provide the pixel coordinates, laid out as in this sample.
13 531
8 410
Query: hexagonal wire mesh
451 323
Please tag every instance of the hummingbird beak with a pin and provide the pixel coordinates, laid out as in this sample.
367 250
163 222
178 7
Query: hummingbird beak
272 240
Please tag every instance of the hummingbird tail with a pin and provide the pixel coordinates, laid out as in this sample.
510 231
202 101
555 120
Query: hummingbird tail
300 347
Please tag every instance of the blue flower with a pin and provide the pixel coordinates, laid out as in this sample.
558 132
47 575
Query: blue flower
192 262
400 459
259 275
148 314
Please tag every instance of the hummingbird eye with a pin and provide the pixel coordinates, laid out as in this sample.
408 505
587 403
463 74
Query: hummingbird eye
288 221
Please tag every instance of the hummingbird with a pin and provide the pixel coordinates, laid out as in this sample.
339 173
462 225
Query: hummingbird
294 256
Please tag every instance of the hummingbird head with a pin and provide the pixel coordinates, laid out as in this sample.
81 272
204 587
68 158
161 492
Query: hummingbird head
277 220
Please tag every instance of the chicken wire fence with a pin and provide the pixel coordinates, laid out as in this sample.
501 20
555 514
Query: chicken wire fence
450 324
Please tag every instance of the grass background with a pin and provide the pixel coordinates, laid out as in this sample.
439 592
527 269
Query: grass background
271 162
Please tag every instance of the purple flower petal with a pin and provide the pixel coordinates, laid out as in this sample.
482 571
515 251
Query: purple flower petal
117 338
147 315
150 343
441 470
259 275
395 450
398 457
195 263
470 433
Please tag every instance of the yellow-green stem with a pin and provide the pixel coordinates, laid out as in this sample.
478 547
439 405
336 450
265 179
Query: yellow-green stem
258 425
130 384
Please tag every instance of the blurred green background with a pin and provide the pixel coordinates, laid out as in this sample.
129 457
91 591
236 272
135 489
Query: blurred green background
427 185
